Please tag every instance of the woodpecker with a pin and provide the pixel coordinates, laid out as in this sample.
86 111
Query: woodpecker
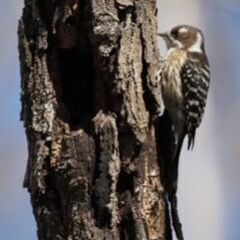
185 78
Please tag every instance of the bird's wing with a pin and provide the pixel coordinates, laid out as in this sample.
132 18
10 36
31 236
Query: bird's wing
195 77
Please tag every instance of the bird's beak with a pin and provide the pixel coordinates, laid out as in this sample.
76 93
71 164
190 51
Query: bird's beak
164 35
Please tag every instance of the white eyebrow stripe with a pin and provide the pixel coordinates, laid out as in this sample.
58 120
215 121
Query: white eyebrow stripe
183 30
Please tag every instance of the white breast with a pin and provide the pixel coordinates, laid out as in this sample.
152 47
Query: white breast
172 87
171 82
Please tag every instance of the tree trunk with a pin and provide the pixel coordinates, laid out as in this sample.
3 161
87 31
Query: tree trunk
90 92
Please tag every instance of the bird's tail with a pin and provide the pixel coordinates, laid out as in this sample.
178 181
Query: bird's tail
170 153
172 191
191 138
173 174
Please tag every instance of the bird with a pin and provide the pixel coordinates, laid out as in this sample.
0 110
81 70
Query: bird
184 80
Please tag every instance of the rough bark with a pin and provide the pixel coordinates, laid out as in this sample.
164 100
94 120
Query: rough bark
90 92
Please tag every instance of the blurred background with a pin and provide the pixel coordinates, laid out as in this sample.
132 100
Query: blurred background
209 191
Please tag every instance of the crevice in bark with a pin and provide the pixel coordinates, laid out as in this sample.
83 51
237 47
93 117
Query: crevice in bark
100 196
147 95
44 11
149 98
126 14
127 226
125 182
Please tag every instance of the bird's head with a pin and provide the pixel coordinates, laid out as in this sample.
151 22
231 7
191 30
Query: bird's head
185 37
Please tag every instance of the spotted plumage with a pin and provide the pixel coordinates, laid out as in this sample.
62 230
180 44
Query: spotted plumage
185 79
195 76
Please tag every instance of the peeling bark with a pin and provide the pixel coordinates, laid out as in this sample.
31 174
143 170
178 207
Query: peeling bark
90 92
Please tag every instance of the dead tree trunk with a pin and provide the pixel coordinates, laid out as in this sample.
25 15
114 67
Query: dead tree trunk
89 95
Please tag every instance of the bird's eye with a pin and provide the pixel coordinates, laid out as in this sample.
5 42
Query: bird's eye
174 33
